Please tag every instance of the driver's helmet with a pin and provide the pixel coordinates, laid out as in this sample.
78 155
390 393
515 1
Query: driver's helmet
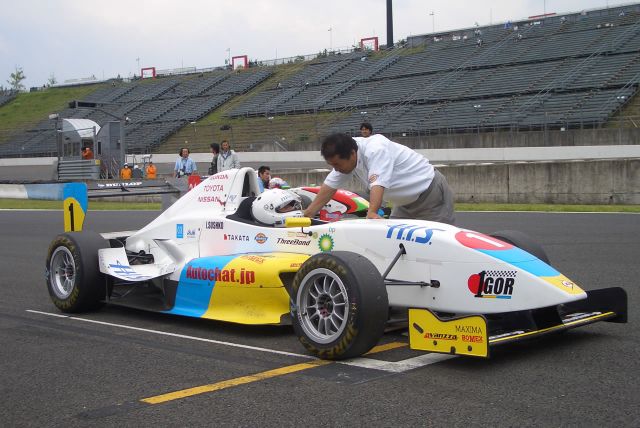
278 183
273 206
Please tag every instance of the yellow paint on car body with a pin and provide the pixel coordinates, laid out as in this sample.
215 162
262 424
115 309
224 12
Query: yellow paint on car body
564 284
466 335
256 293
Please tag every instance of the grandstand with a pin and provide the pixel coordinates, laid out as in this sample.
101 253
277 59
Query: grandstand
153 109
556 72
6 96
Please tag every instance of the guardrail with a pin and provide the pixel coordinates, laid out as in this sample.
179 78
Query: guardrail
75 195
128 188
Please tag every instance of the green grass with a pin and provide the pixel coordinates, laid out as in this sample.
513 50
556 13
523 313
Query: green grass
33 107
548 208
93 205
100 205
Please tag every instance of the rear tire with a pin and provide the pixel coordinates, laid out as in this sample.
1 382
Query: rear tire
524 242
341 305
74 281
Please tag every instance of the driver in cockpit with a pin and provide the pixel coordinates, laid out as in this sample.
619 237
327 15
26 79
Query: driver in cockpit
273 206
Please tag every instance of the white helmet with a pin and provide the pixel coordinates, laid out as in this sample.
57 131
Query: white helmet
278 183
273 206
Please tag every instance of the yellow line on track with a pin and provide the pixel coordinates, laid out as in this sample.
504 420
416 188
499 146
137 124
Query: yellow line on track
189 392
233 382
386 347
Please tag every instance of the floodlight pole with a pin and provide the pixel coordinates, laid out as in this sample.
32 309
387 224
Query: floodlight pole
389 24
55 118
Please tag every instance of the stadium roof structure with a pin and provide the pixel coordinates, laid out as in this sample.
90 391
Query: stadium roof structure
84 127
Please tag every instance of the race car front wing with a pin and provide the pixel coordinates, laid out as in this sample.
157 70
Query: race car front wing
475 335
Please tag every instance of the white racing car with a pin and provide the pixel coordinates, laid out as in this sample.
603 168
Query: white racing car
210 256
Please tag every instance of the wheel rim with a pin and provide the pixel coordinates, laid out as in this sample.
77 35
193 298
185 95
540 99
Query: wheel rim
323 305
63 272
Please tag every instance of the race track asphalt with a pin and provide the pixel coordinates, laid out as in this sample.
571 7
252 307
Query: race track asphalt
61 371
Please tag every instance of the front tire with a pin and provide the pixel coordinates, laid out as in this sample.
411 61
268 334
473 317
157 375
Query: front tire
341 305
74 281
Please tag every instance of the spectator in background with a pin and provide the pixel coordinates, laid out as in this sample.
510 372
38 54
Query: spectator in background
215 151
137 172
87 153
151 172
264 175
184 165
125 172
227 159
366 129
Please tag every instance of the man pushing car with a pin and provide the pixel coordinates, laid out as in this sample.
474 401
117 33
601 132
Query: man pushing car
392 172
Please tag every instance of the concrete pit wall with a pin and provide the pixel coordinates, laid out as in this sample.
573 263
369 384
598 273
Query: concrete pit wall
574 182
612 181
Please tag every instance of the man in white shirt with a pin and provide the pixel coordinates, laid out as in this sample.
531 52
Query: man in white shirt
392 172
227 158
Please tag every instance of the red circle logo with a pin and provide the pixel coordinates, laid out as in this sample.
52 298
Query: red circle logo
474 283
480 241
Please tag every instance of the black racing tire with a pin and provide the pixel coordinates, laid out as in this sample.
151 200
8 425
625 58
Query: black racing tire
340 305
74 280
524 242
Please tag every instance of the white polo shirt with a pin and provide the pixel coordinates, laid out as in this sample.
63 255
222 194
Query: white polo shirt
404 173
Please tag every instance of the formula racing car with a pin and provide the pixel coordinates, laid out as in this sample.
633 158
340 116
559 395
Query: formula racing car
209 256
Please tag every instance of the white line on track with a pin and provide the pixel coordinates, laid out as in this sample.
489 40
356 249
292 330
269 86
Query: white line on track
366 363
181 336
398 366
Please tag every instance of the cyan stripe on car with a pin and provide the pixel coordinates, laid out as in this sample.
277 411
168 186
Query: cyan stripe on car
196 285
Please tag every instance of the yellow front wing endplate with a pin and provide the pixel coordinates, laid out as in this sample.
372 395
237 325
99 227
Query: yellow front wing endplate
459 336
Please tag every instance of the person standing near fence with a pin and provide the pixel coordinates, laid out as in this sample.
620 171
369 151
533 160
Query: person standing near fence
151 171
215 151
137 172
184 165
125 172
87 153
227 159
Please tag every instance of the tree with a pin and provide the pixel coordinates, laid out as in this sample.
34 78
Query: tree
52 80
16 78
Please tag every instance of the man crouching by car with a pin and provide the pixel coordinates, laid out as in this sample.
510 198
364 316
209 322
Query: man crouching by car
392 172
